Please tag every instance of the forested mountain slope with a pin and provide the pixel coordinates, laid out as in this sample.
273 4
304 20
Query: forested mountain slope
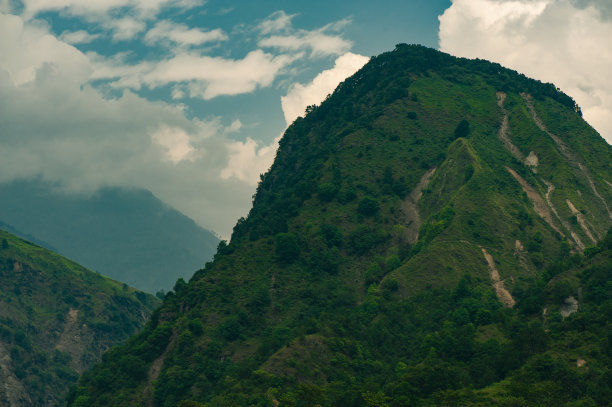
56 320
418 240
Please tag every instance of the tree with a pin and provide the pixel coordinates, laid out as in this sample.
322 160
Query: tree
368 206
287 248
463 129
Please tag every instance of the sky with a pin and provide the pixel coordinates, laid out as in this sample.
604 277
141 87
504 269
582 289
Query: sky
188 98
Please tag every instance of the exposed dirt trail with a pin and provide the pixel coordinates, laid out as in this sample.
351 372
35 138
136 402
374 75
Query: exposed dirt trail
71 341
539 205
550 189
154 372
504 129
581 220
411 209
500 290
565 150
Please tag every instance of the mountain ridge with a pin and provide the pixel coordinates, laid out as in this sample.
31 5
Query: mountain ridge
392 257
126 234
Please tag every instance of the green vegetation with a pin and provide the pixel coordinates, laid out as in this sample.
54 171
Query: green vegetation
56 319
394 256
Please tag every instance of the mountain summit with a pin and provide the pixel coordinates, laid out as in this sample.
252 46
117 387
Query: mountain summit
418 240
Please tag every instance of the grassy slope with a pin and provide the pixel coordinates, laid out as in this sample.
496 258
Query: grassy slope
320 298
56 317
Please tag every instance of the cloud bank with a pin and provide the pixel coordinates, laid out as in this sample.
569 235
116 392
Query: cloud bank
61 124
561 41
56 126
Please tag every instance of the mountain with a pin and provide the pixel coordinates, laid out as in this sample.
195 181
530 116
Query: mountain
56 320
419 240
126 234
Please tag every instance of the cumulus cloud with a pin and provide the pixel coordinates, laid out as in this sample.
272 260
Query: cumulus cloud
566 42
277 21
200 76
277 32
247 160
169 33
57 127
300 96
176 143
78 37
144 8
124 28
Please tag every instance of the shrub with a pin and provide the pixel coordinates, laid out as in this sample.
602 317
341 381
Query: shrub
331 234
462 129
368 206
327 191
287 248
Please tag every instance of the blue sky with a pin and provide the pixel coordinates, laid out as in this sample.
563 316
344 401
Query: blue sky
187 98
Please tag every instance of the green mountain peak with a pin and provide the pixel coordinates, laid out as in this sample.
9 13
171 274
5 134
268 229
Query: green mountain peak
416 242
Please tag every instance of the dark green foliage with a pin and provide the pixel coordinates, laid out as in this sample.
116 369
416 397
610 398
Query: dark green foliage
462 129
332 235
287 248
368 206
324 301
363 238
327 191
58 317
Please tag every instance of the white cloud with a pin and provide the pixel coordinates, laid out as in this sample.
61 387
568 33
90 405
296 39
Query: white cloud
144 8
169 33
319 42
247 160
125 28
235 126
78 37
300 96
557 41
49 56
204 76
277 21
278 32
56 126
176 143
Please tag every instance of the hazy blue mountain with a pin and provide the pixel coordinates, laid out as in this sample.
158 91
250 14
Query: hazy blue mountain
126 234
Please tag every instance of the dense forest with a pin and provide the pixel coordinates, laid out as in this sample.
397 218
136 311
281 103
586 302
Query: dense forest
436 232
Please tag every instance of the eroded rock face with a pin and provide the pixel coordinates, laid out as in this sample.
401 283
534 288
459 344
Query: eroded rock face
570 305
532 161
500 290
411 208
12 392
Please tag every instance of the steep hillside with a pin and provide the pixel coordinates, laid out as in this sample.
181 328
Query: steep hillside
416 242
128 235
56 320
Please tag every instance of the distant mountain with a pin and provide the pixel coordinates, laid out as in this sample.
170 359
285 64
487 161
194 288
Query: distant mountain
56 319
435 233
126 234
